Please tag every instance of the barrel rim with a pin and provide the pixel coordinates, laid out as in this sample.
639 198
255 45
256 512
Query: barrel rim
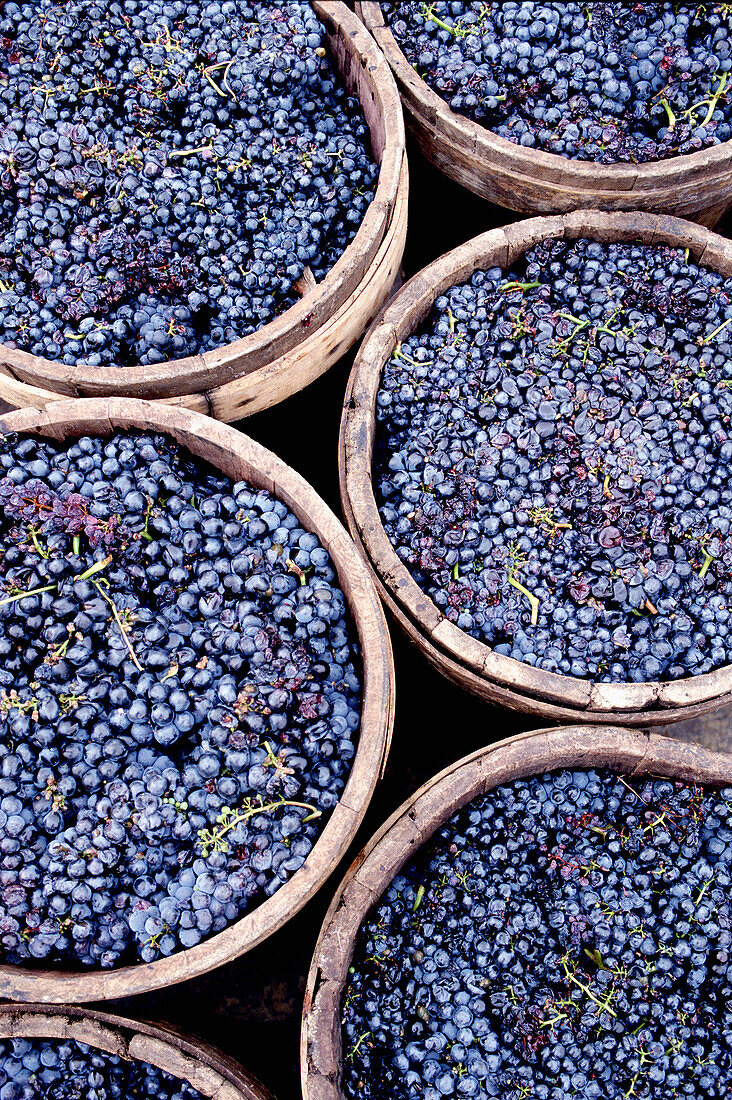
361 59
123 1036
598 184
595 701
239 457
626 751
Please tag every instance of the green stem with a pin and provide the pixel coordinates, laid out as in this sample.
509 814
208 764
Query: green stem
704 889
671 116
76 545
428 14
604 1006
31 592
191 152
352 1053
96 568
532 599
576 320
555 1020
212 82
514 285
717 330
708 559
229 819
399 354
715 99
120 624
605 326
37 544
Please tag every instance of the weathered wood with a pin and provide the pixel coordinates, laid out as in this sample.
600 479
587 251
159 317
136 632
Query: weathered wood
283 356
465 660
697 185
239 457
214 1074
626 751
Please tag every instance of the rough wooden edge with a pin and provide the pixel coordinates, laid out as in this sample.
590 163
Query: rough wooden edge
499 696
240 458
438 637
214 1074
289 374
417 819
534 181
365 71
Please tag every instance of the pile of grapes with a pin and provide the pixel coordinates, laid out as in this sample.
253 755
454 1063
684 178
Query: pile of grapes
565 937
604 82
47 1069
168 172
553 460
179 698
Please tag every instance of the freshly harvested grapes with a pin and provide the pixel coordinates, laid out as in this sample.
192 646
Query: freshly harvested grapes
604 82
564 937
49 1069
179 698
553 460
168 171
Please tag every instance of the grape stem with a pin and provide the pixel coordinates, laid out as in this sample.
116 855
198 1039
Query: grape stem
120 624
31 592
533 600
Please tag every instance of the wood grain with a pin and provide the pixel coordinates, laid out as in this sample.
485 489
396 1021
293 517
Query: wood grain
472 664
626 751
239 457
268 361
697 185
214 1074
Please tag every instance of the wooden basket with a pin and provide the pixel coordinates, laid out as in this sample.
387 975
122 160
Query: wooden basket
239 458
463 659
267 366
396 843
697 185
209 1071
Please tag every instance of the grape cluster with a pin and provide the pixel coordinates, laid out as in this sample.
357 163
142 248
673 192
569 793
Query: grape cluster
168 172
553 460
47 1069
179 698
603 82
565 937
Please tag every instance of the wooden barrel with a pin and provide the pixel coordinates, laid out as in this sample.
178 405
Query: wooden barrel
462 658
209 1071
287 354
697 185
240 458
395 844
